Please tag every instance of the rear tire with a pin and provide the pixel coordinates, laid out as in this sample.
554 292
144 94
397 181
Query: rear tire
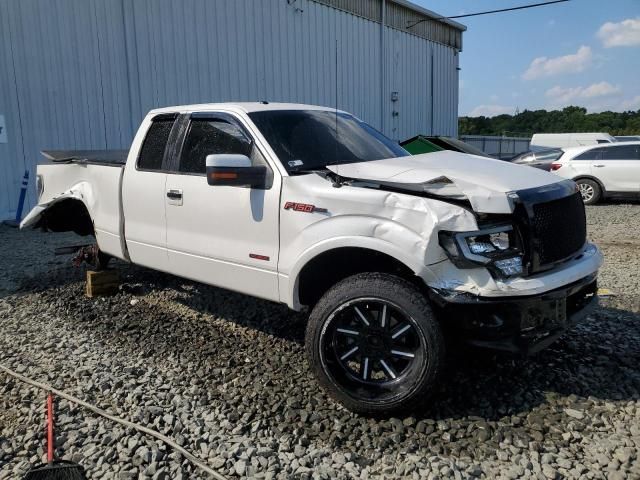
374 344
590 191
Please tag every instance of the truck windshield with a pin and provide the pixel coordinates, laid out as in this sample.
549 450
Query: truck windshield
312 139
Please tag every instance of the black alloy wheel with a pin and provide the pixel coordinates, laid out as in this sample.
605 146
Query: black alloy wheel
374 343
371 342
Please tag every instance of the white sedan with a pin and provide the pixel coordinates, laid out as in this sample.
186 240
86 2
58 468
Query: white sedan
601 171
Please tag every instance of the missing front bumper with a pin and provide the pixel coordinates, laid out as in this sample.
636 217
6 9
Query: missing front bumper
516 324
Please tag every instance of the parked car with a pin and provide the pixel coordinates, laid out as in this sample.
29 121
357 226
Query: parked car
562 140
311 207
628 138
541 159
602 171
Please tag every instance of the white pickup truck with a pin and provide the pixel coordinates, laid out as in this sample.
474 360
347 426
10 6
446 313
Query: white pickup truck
311 207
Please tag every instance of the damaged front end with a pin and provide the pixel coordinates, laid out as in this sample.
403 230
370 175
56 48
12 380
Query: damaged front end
526 273
543 243
520 232
517 324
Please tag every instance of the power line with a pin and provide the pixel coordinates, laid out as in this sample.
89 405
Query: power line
522 7
509 9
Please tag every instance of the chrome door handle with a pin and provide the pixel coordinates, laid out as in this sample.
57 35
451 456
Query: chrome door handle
598 165
174 194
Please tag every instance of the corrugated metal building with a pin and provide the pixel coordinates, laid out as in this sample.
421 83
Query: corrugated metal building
81 74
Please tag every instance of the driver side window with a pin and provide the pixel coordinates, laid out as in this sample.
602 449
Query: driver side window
208 136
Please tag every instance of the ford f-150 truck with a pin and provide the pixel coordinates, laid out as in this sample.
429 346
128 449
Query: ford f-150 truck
311 207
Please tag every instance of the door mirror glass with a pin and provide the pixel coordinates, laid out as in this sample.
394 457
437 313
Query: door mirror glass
235 170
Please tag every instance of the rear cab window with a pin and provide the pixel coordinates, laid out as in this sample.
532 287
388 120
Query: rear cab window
155 143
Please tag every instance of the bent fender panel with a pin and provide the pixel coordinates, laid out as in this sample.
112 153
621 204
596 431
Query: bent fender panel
321 234
96 186
81 192
290 294
400 225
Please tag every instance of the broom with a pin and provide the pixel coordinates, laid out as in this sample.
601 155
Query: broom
54 469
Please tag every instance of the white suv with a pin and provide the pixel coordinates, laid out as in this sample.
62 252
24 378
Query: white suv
602 170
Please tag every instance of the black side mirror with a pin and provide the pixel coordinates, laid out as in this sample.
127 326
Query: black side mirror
235 171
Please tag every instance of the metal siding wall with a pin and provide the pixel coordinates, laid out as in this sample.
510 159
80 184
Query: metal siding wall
114 73
365 8
445 91
409 74
70 83
402 18
87 71
234 53
11 155
409 70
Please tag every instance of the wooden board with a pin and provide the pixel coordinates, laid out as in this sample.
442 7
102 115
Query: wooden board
102 283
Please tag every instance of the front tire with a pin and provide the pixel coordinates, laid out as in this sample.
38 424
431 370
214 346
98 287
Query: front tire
589 190
374 344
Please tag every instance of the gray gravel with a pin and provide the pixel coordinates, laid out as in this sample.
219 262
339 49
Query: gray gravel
225 376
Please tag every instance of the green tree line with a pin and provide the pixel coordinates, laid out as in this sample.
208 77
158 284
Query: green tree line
567 120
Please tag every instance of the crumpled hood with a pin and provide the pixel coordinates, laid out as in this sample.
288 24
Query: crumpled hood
485 182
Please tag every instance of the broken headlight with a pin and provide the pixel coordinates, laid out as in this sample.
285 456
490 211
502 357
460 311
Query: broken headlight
498 248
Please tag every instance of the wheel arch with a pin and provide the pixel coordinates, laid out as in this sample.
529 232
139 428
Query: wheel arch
314 277
73 210
591 177
67 215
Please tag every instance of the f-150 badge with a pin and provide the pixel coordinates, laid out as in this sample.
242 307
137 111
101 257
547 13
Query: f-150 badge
303 207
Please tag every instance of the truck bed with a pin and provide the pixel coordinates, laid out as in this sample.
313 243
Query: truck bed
95 157
92 177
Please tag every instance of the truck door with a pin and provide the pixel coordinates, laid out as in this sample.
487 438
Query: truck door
143 192
221 235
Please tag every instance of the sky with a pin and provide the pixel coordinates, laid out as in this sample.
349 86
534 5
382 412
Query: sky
581 52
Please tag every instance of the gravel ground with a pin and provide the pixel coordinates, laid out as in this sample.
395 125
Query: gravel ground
225 376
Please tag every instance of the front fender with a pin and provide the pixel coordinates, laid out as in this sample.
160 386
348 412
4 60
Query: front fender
289 284
359 231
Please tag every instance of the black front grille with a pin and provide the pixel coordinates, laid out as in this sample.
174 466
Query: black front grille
559 228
